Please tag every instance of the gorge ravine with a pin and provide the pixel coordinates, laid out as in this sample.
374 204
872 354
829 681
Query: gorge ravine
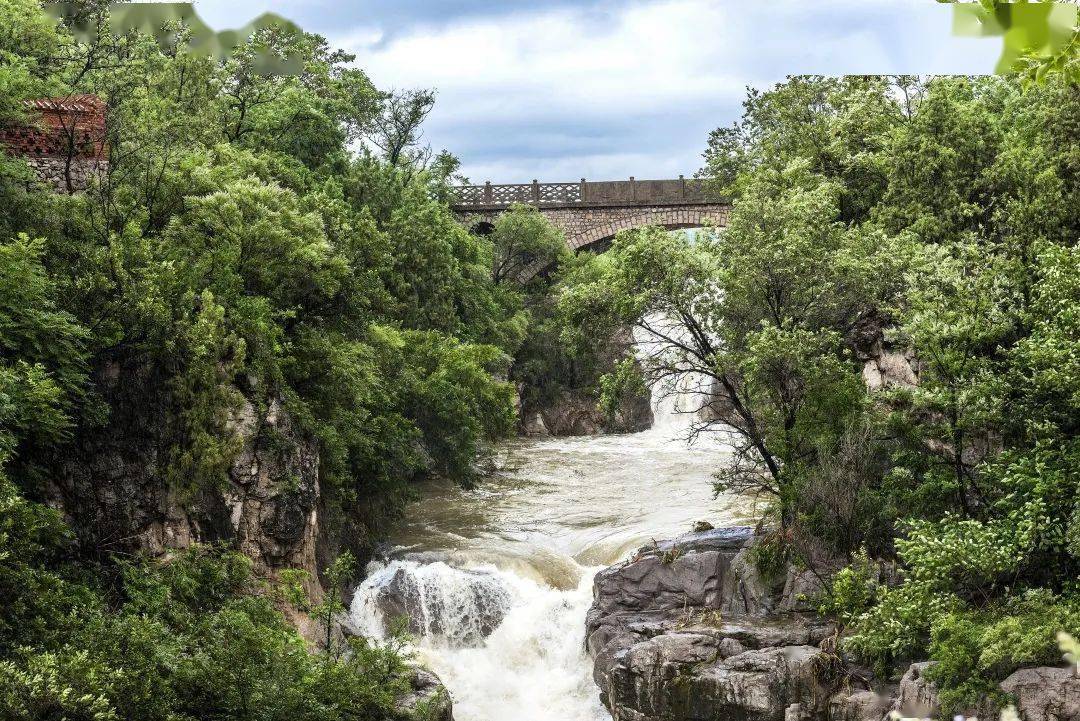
496 581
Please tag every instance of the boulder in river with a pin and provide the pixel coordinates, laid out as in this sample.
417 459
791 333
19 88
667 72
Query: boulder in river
428 699
463 606
687 629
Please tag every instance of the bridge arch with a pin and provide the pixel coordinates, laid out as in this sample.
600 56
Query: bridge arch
669 219
591 213
482 227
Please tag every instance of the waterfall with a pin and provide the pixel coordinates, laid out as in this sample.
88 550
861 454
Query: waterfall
496 582
676 401
459 607
529 664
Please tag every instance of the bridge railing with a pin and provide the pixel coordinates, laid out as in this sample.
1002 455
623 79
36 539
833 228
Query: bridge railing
679 191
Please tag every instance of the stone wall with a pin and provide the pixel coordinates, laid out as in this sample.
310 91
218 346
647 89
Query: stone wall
54 172
593 226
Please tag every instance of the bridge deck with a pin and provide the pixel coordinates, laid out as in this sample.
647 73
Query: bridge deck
597 194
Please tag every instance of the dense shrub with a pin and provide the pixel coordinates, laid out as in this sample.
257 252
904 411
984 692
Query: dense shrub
194 637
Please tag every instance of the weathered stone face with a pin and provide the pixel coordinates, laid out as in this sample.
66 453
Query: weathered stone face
686 630
112 488
54 173
1045 694
274 490
574 411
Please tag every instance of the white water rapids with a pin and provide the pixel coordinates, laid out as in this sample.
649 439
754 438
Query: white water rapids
500 578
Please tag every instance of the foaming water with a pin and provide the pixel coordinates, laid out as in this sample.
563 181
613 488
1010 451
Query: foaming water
497 580
531 665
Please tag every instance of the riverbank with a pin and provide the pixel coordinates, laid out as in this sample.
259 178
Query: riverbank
689 630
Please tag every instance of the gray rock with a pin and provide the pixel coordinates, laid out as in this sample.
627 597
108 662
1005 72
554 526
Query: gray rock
1045 693
801 588
688 572
464 613
890 370
534 426
428 700
680 676
711 539
917 695
685 630
861 705
575 413
745 591
113 489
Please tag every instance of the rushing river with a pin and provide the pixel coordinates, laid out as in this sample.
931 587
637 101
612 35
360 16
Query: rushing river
502 575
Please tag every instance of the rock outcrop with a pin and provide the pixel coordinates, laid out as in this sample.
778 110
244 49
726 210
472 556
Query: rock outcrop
573 411
1045 694
460 606
113 491
885 364
917 696
428 700
576 414
689 630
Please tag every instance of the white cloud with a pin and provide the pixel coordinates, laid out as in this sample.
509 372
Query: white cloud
598 91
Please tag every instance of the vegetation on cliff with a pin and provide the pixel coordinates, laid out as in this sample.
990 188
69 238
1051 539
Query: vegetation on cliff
919 235
197 638
256 240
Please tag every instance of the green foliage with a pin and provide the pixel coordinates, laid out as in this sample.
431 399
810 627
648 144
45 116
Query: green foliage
1070 648
43 357
771 554
236 258
955 563
244 256
1041 40
757 319
976 649
624 382
853 590
523 242
194 637
27 40
945 214
560 355
337 574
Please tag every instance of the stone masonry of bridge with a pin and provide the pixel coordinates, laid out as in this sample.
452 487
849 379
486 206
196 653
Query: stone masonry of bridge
591 213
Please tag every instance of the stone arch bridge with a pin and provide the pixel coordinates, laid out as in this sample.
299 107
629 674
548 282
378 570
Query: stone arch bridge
591 213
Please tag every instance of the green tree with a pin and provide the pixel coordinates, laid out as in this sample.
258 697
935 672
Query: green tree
755 320
524 241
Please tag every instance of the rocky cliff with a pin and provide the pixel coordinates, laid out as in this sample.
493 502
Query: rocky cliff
112 491
575 413
688 630
570 408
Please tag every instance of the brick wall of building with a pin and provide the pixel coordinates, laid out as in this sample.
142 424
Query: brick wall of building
65 138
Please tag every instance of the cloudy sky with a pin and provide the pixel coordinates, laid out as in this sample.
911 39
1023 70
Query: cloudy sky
564 89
